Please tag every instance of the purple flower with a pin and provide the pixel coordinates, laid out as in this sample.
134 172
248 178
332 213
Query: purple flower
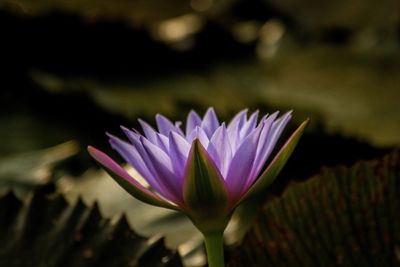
205 170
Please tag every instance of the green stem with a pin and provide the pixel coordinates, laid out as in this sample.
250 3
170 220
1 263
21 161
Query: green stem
215 249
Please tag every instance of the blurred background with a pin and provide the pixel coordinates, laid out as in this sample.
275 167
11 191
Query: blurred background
73 70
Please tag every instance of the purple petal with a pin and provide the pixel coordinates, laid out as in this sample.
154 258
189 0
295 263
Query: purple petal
179 151
239 118
112 166
132 135
164 171
278 127
163 142
262 151
152 176
220 149
269 137
249 126
234 129
276 130
192 121
265 141
134 157
198 133
149 132
153 136
178 125
276 165
165 126
242 163
210 122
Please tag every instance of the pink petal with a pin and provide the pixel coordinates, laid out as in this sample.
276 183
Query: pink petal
112 166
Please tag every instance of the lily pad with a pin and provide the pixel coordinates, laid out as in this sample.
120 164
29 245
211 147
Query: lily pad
47 231
340 217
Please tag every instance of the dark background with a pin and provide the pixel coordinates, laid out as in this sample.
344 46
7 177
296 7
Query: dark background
72 70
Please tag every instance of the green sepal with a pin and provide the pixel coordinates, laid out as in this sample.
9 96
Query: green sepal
127 182
277 163
204 191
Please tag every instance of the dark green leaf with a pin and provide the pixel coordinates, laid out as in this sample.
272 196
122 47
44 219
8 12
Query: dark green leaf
341 217
47 231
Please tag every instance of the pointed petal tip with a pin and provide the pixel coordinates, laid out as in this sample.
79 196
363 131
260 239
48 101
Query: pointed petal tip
97 154
304 124
210 109
94 152
276 113
197 146
245 112
210 112
91 149
288 114
112 138
193 112
107 162
110 135
142 122
127 130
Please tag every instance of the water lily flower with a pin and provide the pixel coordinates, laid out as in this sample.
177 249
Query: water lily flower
205 170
